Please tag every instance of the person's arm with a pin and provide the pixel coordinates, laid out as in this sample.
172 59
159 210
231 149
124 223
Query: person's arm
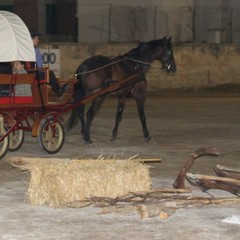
39 59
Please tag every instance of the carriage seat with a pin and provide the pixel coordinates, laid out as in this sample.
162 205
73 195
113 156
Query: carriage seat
20 89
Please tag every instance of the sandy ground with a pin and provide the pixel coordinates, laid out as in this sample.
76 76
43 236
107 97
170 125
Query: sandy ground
179 125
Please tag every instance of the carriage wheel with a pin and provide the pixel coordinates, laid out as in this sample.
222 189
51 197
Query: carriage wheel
16 139
51 136
4 143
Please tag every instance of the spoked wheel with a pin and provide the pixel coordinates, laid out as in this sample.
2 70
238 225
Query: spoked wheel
51 136
4 143
16 139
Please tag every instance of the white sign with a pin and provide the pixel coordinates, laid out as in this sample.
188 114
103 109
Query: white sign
51 59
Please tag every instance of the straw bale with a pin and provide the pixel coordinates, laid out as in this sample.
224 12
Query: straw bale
59 182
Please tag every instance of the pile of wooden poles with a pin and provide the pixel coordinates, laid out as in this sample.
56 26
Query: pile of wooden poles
227 179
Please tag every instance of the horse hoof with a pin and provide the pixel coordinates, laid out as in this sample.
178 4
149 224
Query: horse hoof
148 139
87 142
114 139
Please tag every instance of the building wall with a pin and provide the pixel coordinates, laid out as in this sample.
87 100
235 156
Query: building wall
217 21
125 21
198 65
198 21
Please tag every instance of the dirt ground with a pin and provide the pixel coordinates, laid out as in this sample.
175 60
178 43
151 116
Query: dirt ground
179 124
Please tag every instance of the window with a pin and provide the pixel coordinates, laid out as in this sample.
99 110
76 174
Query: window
51 18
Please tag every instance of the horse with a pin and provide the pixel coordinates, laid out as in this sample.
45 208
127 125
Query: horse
98 72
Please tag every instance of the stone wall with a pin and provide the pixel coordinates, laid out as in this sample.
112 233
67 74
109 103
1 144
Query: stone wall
198 66
130 21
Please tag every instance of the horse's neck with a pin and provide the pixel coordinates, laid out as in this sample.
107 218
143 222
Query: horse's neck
140 60
148 55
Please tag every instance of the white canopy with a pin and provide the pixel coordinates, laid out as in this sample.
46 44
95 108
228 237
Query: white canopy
15 39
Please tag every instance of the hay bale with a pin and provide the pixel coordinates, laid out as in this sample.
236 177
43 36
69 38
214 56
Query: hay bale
60 182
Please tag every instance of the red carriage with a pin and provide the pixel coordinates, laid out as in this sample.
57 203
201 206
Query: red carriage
27 104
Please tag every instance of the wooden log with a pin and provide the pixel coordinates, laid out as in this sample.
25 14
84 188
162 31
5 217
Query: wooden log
220 167
205 183
148 160
180 180
214 178
227 172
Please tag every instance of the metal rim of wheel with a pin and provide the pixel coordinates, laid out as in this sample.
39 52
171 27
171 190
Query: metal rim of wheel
51 135
16 139
4 144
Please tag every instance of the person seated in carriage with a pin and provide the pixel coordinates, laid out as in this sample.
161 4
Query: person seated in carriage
18 67
29 66
22 89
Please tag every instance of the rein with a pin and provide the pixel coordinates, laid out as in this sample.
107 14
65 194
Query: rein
115 62
146 63
138 61
96 69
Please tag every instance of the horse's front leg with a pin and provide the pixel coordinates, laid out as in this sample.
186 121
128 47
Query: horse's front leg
120 108
140 107
96 104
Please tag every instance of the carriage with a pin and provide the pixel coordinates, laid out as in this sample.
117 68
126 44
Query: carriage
36 111
27 104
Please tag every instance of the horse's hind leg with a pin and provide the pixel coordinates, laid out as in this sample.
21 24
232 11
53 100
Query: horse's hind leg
81 116
120 108
140 106
96 104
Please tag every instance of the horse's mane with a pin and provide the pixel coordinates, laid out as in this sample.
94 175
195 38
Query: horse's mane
142 46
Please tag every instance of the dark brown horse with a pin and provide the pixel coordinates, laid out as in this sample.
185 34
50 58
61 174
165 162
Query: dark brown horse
98 72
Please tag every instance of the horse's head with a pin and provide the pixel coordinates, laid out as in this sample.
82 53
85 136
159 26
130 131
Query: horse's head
166 55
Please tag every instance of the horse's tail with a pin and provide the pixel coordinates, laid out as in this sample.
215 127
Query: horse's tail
73 120
78 94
